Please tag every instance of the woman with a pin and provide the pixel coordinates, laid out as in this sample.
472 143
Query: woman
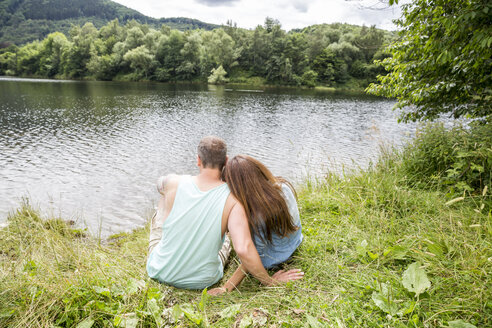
271 207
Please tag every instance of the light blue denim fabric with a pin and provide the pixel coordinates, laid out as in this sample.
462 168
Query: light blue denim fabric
281 248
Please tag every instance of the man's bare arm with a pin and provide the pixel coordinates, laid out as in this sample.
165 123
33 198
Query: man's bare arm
164 182
167 186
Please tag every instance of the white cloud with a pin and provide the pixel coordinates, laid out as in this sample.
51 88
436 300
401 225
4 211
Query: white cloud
216 2
301 5
250 13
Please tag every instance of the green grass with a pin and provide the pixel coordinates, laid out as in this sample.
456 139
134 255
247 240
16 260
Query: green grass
362 231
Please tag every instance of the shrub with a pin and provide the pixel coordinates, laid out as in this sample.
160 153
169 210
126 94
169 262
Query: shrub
218 76
457 158
309 78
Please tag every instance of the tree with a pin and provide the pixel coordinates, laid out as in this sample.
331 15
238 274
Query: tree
323 65
219 50
327 53
134 38
103 67
309 78
52 51
169 55
79 53
369 40
190 52
319 38
140 60
28 59
442 62
295 50
218 76
8 63
111 33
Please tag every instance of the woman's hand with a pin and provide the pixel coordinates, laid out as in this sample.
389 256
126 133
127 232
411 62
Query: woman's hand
285 276
217 291
280 276
231 284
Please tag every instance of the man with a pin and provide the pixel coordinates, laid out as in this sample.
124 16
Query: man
188 247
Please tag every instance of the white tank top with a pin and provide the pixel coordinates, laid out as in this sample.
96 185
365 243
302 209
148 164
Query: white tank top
187 254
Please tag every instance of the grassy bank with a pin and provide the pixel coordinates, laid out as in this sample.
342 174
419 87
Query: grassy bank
363 234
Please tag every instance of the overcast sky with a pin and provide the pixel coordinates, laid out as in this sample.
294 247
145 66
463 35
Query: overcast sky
290 13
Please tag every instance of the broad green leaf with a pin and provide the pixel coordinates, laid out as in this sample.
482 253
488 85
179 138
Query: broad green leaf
117 290
415 279
153 292
191 314
134 286
156 311
6 313
312 321
177 312
230 311
477 167
102 290
203 300
246 322
382 301
460 324
399 252
87 323
408 307
100 305
362 248
127 320
436 248
186 307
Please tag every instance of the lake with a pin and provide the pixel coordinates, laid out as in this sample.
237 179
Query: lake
92 151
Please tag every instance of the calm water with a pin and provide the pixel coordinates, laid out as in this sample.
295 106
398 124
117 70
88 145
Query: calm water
92 151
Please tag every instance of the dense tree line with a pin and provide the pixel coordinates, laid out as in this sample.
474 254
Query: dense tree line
334 54
23 21
442 60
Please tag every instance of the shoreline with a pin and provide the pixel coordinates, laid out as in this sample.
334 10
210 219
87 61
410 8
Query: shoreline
201 83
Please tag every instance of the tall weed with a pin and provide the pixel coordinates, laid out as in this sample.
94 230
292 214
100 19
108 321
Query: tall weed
456 159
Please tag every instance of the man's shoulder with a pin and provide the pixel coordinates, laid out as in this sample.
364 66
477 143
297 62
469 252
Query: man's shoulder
168 182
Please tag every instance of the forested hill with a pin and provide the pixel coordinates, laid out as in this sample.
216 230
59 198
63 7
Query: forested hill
332 55
23 21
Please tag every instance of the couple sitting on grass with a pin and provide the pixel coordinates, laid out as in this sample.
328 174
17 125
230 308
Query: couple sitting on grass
196 215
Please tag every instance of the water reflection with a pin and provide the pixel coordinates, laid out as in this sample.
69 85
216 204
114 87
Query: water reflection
92 150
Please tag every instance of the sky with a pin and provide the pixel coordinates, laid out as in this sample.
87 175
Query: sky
290 13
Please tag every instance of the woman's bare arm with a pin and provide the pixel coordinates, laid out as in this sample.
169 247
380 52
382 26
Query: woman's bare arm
247 253
232 283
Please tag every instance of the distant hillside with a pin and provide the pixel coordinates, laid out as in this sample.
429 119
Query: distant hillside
22 21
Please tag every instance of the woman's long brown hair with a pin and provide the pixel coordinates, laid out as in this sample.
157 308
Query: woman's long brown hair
260 193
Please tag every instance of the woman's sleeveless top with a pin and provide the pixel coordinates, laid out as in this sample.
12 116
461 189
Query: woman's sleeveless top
281 248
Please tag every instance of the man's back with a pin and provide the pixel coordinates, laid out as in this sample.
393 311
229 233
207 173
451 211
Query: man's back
187 254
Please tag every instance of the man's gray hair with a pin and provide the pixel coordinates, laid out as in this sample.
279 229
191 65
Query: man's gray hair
212 151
